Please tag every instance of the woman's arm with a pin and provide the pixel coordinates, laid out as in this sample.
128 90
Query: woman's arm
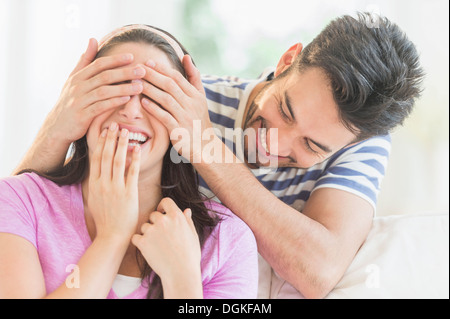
21 276
112 202
88 92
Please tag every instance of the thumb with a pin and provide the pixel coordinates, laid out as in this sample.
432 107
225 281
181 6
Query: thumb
192 73
136 240
88 56
188 215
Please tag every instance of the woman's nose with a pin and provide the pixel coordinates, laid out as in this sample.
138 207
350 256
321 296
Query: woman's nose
132 110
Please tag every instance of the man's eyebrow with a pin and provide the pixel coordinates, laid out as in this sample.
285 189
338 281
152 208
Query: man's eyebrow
324 148
287 100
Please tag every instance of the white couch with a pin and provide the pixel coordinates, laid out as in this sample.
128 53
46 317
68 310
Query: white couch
404 256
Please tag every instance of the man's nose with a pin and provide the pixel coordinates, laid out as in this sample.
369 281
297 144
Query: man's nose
280 142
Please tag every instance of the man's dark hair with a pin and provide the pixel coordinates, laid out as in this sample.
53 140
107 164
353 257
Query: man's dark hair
373 69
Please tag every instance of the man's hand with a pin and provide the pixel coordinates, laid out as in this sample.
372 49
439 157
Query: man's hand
90 90
180 104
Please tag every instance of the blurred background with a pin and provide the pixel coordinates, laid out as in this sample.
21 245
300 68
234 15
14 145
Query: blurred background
42 40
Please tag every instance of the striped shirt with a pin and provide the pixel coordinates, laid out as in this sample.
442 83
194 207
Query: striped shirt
357 169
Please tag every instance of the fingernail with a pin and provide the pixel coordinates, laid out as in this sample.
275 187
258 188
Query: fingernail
127 57
139 71
150 63
113 126
124 133
104 133
124 99
137 149
137 85
145 101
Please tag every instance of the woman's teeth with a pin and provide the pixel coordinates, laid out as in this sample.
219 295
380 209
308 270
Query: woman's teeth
138 137
135 139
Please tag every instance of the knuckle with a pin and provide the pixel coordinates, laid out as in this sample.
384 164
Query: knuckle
170 85
133 170
178 77
102 93
165 200
117 163
168 101
105 77
74 89
99 63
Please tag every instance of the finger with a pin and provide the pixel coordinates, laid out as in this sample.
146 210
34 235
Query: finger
106 105
193 74
188 215
95 162
145 227
109 150
111 91
154 217
101 64
163 98
115 76
168 79
168 206
160 114
133 169
87 57
137 240
120 158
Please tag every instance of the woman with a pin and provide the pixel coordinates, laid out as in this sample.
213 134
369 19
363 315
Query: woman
120 219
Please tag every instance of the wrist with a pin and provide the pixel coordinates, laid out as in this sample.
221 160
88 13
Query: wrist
113 240
183 285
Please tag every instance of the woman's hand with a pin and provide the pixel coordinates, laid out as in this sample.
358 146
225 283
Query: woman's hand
112 196
170 245
90 90
180 104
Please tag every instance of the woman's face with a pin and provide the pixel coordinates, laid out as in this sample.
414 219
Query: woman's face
143 128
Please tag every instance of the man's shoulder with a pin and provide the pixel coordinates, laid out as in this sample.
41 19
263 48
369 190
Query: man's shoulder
376 148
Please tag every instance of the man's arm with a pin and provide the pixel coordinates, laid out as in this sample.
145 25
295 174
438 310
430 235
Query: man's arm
45 153
311 250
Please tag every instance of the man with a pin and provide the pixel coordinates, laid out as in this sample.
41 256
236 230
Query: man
330 107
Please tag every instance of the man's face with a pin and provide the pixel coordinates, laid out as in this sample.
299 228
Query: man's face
301 109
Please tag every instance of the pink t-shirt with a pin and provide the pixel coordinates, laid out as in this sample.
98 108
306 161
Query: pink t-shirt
52 219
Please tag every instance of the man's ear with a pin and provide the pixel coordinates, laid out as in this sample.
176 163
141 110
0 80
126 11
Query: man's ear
287 58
